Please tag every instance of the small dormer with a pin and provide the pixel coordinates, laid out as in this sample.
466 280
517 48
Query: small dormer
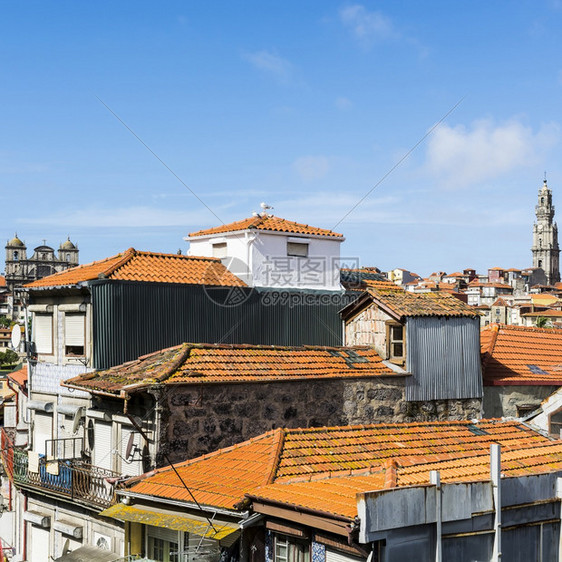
268 251
433 336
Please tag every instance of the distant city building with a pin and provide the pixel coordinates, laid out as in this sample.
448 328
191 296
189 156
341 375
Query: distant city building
545 237
20 269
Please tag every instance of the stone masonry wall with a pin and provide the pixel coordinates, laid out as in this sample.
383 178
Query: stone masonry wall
502 401
201 419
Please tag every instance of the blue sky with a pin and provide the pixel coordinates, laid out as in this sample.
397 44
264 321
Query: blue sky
306 105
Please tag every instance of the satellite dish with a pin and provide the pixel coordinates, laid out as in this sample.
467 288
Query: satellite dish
76 420
16 336
130 444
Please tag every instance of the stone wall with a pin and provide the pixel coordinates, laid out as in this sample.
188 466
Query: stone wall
502 401
199 419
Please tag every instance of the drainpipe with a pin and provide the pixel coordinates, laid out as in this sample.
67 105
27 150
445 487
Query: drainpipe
435 479
495 473
25 523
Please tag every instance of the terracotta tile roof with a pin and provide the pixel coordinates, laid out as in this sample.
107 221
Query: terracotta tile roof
324 468
381 284
518 355
544 299
2 281
404 303
267 222
133 265
476 283
500 302
551 313
231 363
19 377
219 479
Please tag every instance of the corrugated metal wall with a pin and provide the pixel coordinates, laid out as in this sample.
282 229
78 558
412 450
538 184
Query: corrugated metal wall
131 319
443 354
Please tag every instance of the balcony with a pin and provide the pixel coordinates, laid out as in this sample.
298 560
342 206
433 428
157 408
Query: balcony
72 479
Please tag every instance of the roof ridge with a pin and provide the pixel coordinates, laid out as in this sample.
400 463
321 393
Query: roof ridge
175 256
279 445
127 255
527 328
371 426
494 328
212 454
176 363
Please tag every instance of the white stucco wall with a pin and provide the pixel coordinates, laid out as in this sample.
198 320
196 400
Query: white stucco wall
260 259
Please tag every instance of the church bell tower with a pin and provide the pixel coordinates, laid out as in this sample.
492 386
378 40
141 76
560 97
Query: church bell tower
545 237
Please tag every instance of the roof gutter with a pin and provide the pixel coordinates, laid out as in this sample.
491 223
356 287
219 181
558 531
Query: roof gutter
122 394
264 231
291 508
169 501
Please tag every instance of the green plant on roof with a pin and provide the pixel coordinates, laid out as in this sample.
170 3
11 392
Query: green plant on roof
543 322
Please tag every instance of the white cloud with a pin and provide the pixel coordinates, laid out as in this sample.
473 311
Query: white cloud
343 103
460 156
271 63
311 168
366 25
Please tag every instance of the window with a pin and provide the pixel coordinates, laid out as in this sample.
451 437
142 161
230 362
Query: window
16 255
540 263
219 250
396 342
74 334
297 249
43 333
289 549
163 545
526 409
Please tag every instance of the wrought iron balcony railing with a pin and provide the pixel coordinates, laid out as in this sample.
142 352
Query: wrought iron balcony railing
72 479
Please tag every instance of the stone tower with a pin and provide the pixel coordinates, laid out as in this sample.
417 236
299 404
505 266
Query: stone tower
545 237
68 252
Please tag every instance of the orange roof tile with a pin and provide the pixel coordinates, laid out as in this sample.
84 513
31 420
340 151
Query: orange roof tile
2 281
219 479
152 267
405 303
268 222
19 377
230 363
518 355
324 468
550 313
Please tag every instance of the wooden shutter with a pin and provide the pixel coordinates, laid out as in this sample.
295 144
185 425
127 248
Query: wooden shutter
163 534
42 430
43 333
74 329
103 445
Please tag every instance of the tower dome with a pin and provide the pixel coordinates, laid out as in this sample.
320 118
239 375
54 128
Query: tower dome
67 245
15 241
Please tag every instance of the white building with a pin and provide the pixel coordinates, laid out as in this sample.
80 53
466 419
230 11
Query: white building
267 251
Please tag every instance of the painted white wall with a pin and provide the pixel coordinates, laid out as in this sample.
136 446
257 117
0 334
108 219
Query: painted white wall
260 259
